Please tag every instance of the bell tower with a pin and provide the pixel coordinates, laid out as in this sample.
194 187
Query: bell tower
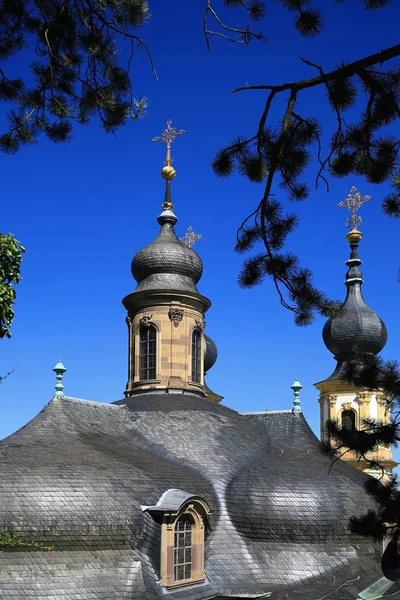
356 328
167 348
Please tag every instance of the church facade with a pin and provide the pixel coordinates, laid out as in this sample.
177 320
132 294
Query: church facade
167 493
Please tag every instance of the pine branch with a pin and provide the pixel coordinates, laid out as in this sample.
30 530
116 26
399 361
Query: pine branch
342 73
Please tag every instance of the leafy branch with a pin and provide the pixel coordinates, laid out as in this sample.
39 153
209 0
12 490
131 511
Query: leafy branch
11 253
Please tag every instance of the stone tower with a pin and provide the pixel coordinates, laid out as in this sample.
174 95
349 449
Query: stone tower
167 349
356 328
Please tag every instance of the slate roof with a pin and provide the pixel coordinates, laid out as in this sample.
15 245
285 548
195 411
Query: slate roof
80 474
166 263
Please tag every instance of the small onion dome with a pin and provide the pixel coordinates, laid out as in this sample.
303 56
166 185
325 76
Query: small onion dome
357 326
166 263
210 354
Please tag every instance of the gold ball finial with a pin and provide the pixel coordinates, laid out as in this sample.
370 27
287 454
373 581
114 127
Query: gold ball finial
354 236
168 173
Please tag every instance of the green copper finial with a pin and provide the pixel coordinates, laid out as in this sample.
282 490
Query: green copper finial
59 370
296 387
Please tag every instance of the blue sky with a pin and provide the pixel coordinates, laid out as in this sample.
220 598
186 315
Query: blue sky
83 209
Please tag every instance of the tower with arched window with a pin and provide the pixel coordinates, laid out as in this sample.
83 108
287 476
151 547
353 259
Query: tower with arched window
167 347
357 328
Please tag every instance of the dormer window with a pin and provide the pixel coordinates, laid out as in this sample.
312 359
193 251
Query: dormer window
147 352
196 356
184 519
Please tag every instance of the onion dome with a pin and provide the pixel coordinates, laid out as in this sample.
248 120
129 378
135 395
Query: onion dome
210 354
210 357
357 327
167 263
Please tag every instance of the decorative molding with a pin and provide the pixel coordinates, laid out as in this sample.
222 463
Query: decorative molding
331 399
128 321
145 320
347 406
364 397
201 324
381 399
175 315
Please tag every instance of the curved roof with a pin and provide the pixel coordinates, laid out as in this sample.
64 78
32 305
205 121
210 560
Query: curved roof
210 354
166 263
357 326
79 474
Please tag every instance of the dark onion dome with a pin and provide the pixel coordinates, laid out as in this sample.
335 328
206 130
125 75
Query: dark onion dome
167 263
210 354
357 326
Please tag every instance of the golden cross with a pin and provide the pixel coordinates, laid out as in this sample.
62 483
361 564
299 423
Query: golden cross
353 202
190 237
168 136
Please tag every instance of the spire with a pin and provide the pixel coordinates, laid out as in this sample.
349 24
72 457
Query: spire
357 327
59 370
296 387
167 263
168 172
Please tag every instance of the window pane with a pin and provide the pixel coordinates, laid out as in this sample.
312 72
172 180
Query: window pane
188 571
348 420
188 555
196 370
147 353
183 548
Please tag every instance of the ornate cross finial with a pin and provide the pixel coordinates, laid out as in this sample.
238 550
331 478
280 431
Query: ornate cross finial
353 202
168 136
59 370
190 237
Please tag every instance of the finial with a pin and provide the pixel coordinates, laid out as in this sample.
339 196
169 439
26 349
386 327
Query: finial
353 202
190 237
167 137
59 370
296 387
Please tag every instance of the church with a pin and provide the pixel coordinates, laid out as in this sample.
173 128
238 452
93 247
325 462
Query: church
167 493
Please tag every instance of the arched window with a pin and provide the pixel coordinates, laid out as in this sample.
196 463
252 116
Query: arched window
147 352
196 356
349 420
183 548
182 538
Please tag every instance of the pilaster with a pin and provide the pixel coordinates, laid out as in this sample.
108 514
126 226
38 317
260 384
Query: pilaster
364 402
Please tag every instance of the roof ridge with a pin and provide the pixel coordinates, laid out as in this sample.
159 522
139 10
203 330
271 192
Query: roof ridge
72 399
267 412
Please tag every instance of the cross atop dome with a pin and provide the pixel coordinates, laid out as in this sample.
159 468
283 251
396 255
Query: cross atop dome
353 202
167 137
190 237
168 172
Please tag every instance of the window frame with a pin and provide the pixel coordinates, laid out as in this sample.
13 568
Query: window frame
195 353
196 512
348 413
150 372
186 548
